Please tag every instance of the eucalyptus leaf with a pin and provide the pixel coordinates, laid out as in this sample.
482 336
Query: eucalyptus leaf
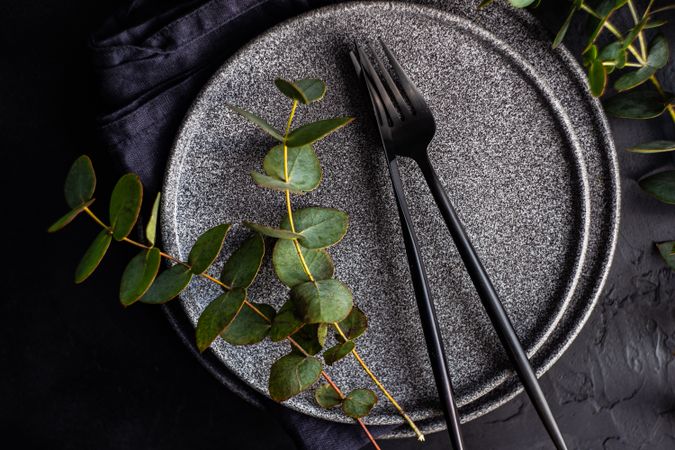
633 33
311 132
242 266
655 24
604 11
355 324
125 205
249 327
635 105
305 91
614 53
289 269
337 352
80 182
311 337
286 322
521 3
319 227
653 147
151 228
597 78
68 217
93 256
168 285
661 186
217 316
207 247
304 169
258 121
657 58
274 183
276 233
139 275
667 251
359 402
576 4
324 301
326 396
292 374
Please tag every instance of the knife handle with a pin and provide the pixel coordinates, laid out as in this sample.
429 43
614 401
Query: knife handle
493 306
432 334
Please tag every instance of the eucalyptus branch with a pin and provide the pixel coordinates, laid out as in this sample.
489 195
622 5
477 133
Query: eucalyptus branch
310 276
110 230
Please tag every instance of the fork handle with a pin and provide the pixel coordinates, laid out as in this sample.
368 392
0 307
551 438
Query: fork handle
492 304
430 328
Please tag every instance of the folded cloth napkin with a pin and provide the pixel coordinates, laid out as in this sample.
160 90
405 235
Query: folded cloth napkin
150 61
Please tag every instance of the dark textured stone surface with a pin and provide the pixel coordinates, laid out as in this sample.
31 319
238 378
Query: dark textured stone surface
79 372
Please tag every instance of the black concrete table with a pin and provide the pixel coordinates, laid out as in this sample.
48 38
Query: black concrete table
79 372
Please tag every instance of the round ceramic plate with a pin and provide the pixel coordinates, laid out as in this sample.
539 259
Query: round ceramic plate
523 151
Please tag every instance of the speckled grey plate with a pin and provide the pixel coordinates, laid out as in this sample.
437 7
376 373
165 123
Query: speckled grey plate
523 151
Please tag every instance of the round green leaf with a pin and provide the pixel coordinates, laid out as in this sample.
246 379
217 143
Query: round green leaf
326 396
125 205
93 256
304 169
168 285
242 267
319 227
248 327
286 322
289 269
656 59
355 324
139 275
660 185
324 301
68 217
667 251
151 228
207 248
80 182
274 183
521 3
272 232
259 122
614 52
653 147
305 91
292 374
597 78
658 52
311 337
359 402
635 105
312 132
217 316
633 79
338 352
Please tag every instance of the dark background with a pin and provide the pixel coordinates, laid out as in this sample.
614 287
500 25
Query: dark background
80 372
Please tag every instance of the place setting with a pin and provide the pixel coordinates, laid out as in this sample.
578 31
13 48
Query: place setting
392 216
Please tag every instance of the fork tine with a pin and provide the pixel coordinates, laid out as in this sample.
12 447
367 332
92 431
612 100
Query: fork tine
392 113
411 91
402 105
377 105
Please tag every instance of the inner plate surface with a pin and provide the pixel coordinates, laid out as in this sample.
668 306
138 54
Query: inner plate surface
508 157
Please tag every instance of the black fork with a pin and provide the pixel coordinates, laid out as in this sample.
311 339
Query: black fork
407 127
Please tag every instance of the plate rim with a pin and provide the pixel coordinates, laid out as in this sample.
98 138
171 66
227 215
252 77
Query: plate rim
602 130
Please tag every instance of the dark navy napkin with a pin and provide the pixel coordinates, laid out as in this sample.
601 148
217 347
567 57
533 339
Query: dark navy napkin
150 61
